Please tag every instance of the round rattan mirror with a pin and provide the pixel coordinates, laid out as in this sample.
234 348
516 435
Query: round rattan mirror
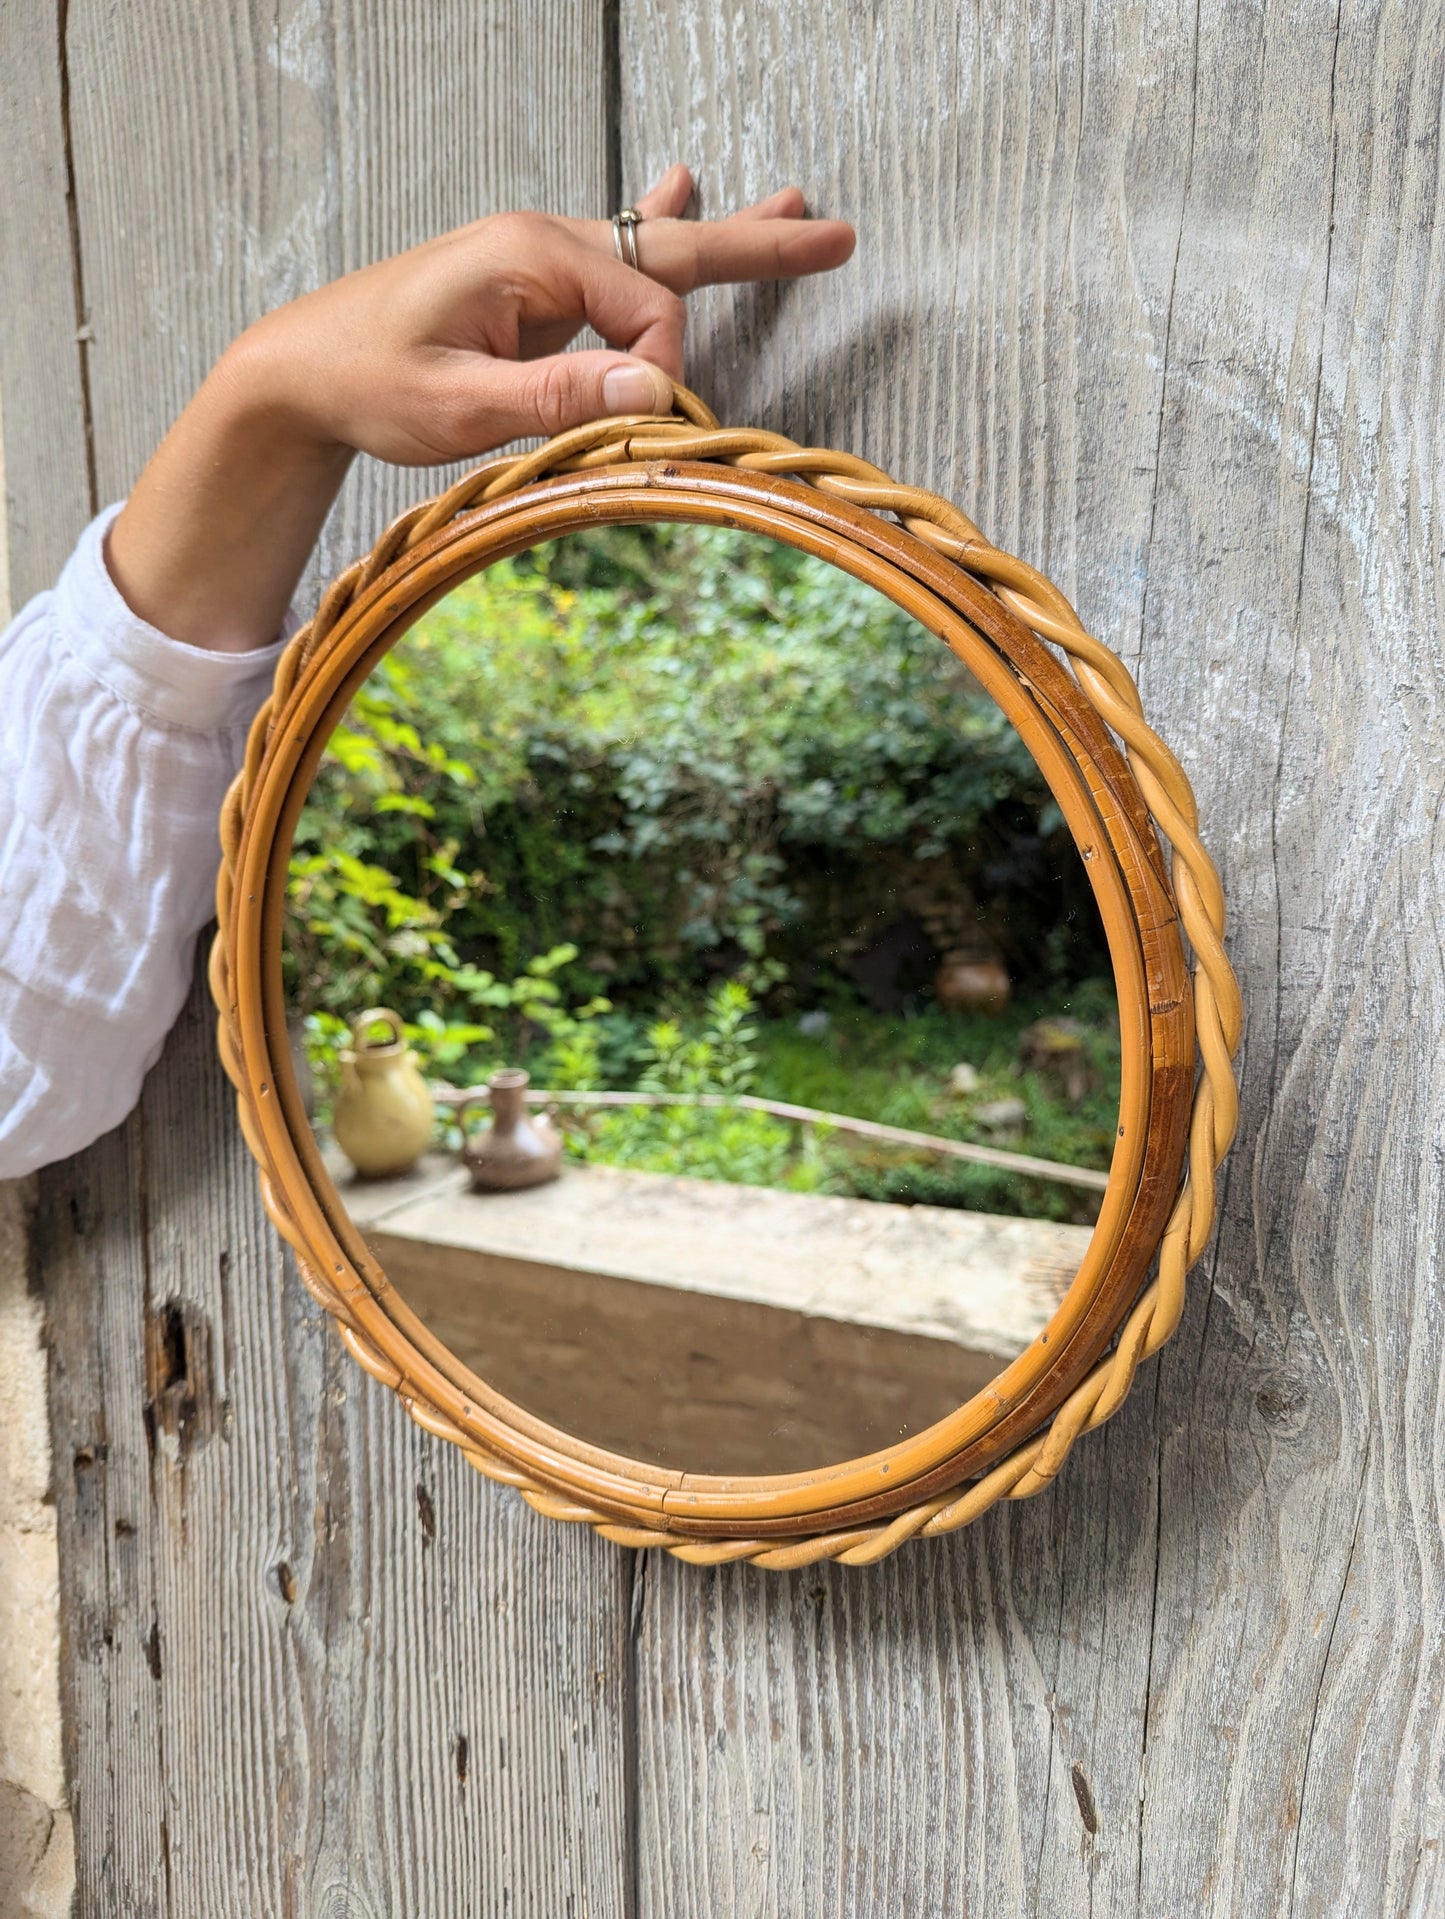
1117 788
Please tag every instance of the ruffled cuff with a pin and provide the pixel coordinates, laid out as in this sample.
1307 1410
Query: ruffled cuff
180 685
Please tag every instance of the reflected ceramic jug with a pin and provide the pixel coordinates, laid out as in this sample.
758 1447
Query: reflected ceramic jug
515 1150
383 1115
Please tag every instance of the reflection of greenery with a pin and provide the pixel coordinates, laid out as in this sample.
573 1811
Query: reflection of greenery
601 781
712 1056
868 1066
896 1070
675 776
356 938
445 1043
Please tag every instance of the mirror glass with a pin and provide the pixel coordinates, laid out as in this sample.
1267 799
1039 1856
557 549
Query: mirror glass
671 921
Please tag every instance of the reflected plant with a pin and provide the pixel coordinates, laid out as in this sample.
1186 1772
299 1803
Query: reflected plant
715 1059
686 752
355 940
714 1056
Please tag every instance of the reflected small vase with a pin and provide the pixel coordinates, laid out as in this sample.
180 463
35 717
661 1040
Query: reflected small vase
383 1116
516 1150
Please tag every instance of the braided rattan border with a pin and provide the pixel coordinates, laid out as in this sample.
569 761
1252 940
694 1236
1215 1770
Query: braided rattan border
693 434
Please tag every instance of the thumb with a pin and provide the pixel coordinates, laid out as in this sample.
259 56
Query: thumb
567 389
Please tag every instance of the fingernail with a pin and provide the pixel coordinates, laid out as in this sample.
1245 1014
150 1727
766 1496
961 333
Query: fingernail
630 389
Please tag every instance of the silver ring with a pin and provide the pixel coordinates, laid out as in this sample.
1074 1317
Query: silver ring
624 236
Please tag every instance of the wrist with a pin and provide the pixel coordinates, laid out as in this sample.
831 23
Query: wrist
213 539
266 405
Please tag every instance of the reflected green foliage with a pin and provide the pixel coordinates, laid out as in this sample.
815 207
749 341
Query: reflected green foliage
713 1055
677 776
897 1071
612 802
865 1065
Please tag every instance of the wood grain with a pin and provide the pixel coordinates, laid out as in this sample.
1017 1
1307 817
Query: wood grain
1155 289
231 158
47 490
1156 292
313 1665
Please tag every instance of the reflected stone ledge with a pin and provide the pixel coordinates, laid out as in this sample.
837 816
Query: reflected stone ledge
711 1327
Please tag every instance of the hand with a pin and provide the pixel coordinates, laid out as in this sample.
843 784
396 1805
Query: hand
439 354
456 347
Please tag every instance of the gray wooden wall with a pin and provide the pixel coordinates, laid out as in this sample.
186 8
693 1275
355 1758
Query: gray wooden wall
1158 290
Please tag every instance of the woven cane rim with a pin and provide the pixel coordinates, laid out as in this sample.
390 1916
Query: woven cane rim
615 447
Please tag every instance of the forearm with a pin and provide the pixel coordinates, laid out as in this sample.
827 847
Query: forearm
218 528
126 693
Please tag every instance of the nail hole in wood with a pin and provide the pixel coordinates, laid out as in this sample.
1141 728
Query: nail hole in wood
1088 1812
180 1406
427 1511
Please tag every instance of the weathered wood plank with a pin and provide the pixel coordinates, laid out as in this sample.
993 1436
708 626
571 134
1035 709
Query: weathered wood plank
1155 292
47 495
920 1759
228 159
313 1663
1313 1402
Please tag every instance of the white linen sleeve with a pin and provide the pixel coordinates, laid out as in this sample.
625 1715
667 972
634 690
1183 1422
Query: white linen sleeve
116 749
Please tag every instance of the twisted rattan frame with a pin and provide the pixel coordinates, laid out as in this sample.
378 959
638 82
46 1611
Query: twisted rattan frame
855 512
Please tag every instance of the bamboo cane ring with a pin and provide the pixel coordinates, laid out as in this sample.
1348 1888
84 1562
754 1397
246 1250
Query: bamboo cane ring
1121 791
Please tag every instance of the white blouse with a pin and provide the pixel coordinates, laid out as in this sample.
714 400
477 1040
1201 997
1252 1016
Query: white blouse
116 749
